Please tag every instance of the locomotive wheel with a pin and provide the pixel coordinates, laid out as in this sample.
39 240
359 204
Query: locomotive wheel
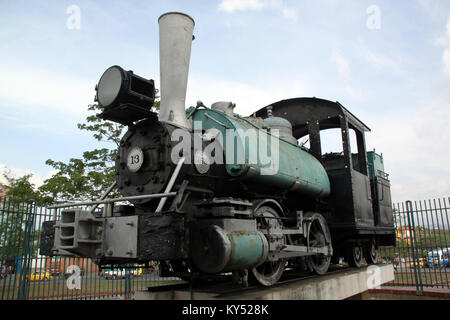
371 253
318 236
269 272
354 256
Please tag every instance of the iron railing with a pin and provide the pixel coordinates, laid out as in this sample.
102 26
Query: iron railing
421 256
25 274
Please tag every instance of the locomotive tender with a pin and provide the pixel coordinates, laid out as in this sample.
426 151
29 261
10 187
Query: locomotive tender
211 192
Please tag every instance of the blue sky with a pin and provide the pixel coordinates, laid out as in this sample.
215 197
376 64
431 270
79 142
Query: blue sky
387 61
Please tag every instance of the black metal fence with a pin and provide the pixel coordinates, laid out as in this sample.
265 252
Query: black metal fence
421 257
25 274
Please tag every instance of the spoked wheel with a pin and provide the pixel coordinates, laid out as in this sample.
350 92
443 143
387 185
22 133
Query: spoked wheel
318 236
354 256
371 253
269 272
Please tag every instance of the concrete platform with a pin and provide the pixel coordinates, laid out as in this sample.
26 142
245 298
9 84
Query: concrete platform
337 285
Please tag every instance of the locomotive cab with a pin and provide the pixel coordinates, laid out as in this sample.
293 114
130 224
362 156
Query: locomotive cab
359 212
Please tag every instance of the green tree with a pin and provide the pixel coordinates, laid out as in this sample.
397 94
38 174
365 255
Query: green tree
21 189
13 215
87 177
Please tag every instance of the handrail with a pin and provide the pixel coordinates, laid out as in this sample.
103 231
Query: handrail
106 201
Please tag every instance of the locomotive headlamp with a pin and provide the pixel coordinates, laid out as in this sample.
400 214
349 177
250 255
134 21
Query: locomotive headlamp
109 86
124 96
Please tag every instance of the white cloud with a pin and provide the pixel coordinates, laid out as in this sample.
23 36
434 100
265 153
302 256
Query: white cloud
416 146
416 152
241 5
343 68
290 14
36 179
353 92
341 63
382 62
446 61
231 6
444 41
43 89
248 98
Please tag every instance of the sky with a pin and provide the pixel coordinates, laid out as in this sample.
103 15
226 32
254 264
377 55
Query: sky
386 61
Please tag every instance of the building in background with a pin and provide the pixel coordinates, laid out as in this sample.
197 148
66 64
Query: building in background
3 190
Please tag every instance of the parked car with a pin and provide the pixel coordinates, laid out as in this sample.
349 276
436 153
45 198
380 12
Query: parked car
421 263
55 271
40 275
136 272
439 258
114 273
7 270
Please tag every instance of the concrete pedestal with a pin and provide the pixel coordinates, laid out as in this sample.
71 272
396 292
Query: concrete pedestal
338 285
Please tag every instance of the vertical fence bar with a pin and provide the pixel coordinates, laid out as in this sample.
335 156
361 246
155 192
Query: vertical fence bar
433 241
418 246
424 243
406 247
443 264
417 275
20 244
429 228
17 243
447 244
396 255
437 242
3 244
7 254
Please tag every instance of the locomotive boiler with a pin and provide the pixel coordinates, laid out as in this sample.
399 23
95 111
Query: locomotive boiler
206 191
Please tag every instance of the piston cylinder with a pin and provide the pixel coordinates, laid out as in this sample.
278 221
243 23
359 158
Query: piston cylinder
214 250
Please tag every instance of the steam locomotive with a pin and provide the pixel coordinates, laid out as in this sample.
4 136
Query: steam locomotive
208 191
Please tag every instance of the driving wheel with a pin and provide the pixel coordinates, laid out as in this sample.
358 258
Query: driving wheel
269 272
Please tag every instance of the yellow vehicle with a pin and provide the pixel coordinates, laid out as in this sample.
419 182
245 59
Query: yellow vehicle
137 272
421 263
40 275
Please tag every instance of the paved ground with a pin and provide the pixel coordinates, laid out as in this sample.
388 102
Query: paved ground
406 293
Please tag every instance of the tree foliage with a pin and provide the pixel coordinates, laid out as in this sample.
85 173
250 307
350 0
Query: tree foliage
21 189
13 214
86 178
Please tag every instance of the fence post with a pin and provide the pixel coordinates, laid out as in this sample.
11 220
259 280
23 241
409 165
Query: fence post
414 253
27 253
128 288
